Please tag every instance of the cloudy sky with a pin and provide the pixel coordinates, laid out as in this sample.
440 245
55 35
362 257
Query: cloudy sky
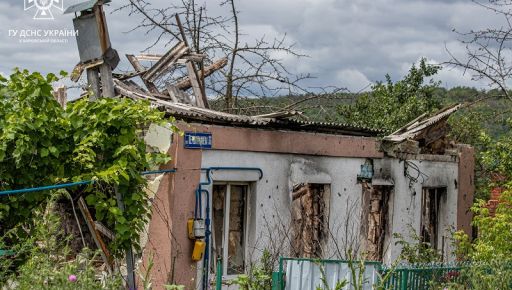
350 43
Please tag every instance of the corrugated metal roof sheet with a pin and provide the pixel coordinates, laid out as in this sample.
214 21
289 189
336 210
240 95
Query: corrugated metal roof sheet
417 126
202 115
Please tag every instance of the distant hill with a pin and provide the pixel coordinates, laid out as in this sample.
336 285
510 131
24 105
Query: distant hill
491 113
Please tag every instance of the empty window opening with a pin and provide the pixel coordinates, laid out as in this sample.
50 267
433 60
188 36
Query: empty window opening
375 218
229 230
431 216
310 214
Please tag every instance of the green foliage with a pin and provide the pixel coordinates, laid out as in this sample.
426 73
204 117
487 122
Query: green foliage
41 143
325 284
414 250
494 232
391 105
47 263
491 252
259 276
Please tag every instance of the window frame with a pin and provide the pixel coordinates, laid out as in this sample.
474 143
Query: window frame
440 193
225 225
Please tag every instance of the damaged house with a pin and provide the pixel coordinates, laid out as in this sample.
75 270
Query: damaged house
244 184
300 189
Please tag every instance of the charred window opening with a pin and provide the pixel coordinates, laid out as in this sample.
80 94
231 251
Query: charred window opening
230 244
375 218
310 214
430 215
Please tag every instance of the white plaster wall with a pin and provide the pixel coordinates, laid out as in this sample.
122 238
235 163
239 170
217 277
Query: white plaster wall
405 210
270 196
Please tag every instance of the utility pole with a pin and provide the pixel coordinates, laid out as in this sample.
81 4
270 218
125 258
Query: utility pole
97 56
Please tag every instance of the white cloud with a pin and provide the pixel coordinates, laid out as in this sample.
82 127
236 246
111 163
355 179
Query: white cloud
350 43
352 79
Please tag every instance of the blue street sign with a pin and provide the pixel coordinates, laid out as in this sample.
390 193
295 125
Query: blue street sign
195 140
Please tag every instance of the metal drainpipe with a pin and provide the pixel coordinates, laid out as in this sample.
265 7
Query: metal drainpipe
208 170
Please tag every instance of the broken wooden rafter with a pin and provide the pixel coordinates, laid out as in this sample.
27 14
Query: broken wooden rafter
279 115
178 96
141 70
197 57
196 86
185 84
104 230
105 253
128 75
149 57
166 62
80 67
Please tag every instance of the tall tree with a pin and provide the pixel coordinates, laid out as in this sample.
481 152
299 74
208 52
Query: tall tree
390 105
254 69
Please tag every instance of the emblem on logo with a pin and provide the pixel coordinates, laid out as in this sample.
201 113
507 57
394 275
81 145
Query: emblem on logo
43 7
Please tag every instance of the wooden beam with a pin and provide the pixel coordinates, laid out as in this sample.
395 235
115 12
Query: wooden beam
177 95
141 70
185 84
107 83
198 92
149 57
166 62
105 253
93 83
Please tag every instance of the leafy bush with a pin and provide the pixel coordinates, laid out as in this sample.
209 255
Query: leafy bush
415 251
48 264
42 143
259 276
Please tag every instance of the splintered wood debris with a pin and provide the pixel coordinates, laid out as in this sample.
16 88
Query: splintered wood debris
423 135
310 213
154 77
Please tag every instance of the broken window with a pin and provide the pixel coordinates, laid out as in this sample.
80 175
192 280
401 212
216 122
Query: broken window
310 214
230 244
375 218
430 215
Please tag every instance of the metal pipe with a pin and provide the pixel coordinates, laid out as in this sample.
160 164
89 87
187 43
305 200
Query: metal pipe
130 265
72 184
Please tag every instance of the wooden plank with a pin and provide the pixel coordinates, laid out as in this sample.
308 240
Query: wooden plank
141 70
93 83
60 94
128 75
104 230
162 66
149 57
105 253
107 83
178 96
185 84
196 57
173 92
192 75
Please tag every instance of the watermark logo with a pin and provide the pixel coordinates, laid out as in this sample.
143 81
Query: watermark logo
43 8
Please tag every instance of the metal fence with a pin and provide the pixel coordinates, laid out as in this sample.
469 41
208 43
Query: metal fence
419 277
299 274
309 274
